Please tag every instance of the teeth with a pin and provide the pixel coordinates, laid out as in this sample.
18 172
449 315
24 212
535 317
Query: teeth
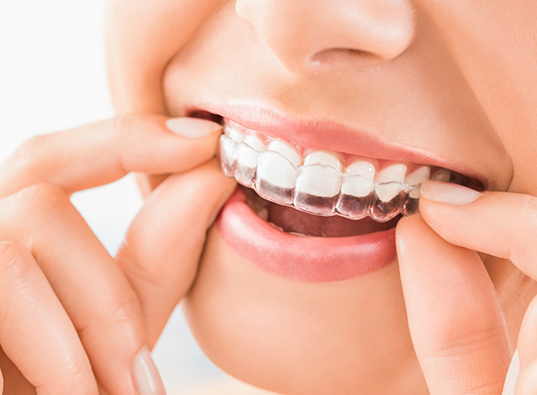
390 182
255 143
319 184
287 151
357 190
418 176
246 164
441 175
299 234
362 168
322 158
235 135
276 177
392 173
317 188
276 227
227 154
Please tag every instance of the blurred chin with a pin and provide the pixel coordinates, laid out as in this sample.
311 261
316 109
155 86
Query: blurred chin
292 337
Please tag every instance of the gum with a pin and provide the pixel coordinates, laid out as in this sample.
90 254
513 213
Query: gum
344 203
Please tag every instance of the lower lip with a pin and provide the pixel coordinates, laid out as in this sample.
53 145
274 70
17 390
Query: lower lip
310 259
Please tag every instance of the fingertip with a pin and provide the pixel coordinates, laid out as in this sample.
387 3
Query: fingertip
193 128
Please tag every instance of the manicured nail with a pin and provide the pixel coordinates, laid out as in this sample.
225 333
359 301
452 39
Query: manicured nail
145 375
192 128
219 205
444 192
511 379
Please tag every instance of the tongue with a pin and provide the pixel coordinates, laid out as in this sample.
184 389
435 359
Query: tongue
291 220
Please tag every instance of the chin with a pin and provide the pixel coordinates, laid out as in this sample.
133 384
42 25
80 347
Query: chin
301 337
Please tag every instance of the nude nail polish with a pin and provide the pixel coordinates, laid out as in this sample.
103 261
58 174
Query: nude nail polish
444 192
192 128
145 375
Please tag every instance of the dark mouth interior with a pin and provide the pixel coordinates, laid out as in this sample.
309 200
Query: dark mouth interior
291 220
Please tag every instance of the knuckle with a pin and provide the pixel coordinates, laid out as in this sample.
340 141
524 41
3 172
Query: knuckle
27 151
41 197
123 124
125 309
519 250
529 209
13 257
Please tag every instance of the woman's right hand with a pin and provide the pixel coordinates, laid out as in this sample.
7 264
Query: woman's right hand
73 319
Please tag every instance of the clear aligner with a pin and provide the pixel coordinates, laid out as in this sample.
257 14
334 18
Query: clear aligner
318 185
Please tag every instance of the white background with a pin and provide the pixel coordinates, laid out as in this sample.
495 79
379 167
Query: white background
52 77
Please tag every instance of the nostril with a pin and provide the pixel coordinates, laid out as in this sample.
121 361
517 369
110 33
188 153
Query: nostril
341 55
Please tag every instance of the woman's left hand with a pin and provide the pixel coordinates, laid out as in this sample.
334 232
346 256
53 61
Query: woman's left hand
455 318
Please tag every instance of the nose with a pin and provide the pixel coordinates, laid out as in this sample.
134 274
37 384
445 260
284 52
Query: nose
308 33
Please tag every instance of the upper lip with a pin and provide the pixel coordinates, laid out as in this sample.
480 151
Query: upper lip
330 135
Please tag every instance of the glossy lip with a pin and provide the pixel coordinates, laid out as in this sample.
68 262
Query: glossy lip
322 134
311 259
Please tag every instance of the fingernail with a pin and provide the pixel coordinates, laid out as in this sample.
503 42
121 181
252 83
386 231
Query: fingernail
511 379
192 128
219 205
145 374
444 192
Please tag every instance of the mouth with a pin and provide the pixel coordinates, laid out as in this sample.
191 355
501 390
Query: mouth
311 213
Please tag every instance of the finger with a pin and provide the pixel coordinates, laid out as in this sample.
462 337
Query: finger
496 223
527 383
103 152
163 245
35 332
454 315
527 349
86 279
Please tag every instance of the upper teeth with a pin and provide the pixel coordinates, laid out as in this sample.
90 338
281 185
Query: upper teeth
319 183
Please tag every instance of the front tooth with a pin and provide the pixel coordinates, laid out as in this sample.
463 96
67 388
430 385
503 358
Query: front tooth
276 177
362 168
390 182
255 143
357 190
287 151
322 158
441 175
235 135
418 176
317 188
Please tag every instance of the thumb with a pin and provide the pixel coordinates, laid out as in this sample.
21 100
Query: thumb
163 245
454 316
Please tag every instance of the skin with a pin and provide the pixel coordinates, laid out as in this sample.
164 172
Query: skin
456 81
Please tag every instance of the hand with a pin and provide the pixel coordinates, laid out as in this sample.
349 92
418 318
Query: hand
73 319
455 318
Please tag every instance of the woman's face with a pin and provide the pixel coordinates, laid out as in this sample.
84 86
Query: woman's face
448 84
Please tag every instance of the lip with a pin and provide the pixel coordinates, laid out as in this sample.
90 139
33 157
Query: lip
323 134
310 259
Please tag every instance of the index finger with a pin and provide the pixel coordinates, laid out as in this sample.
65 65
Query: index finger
501 224
103 152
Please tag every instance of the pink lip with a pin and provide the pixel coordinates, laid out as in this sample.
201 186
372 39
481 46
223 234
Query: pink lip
329 135
312 259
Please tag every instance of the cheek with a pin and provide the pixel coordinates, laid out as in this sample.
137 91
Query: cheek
289 336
